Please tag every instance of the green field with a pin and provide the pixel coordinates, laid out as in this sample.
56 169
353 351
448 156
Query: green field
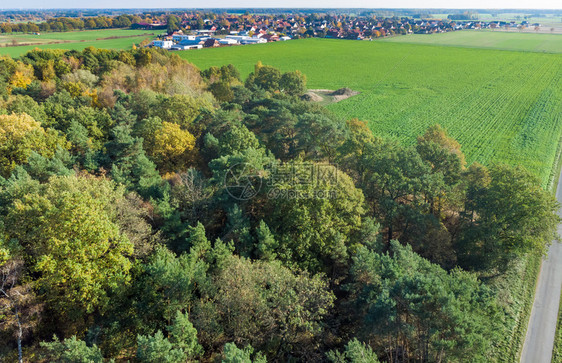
502 106
551 43
546 20
79 40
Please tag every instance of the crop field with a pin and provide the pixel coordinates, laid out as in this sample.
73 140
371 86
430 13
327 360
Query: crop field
551 43
502 106
106 38
544 19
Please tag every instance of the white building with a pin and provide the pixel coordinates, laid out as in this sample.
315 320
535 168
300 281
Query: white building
186 47
228 41
179 37
238 38
165 44
205 32
253 41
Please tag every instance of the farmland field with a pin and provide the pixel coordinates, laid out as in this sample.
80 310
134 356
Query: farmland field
551 43
502 106
123 39
544 19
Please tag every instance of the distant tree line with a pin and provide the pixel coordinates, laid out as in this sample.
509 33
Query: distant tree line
467 15
69 24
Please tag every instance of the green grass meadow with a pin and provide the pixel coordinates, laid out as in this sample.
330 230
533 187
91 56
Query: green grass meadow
544 19
498 39
73 40
557 349
502 106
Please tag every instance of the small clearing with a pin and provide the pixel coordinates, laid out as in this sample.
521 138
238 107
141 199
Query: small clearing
327 96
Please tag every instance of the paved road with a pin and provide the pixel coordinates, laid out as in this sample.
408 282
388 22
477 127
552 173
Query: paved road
544 316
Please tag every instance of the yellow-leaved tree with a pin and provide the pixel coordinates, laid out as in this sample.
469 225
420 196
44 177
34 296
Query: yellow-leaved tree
20 135
20 75
171 147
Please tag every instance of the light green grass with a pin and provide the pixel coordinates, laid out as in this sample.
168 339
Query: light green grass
557 349
518 17
74 40
547 20
516 291
501 106
551 43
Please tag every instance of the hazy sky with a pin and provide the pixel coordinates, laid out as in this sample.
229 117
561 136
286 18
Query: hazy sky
468 4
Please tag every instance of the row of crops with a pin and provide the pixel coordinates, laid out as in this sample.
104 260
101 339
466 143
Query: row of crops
507 110
502 106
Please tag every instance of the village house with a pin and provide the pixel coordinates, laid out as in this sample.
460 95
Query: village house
205 32
270 37
211 43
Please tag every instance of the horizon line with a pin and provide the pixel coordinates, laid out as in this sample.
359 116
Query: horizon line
277 8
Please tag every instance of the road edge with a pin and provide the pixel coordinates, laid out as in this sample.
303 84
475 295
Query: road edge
554 186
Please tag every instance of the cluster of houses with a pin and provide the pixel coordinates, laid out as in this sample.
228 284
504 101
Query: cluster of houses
232 29
207 39
361 29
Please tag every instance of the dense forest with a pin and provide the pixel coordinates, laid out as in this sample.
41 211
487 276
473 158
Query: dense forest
154 212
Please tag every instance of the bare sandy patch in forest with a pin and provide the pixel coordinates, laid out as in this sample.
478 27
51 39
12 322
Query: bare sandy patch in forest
329 96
